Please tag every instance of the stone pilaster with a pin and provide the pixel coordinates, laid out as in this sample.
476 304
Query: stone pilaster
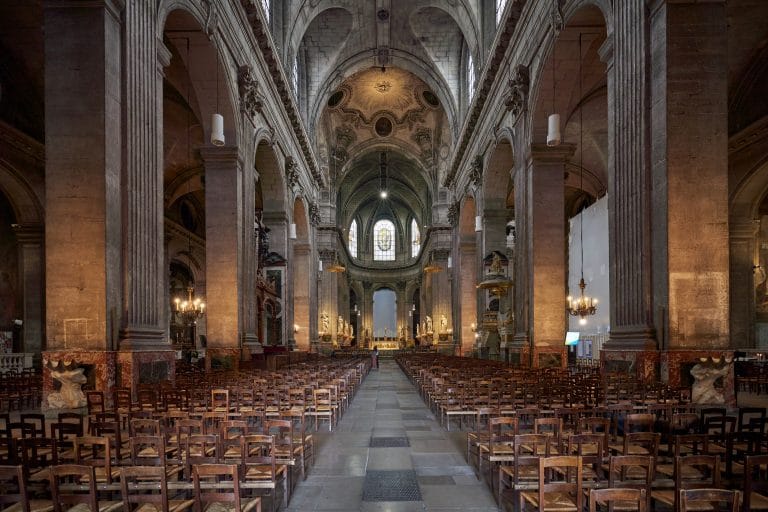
544 244
223 246
468 298
31 261
82 174
302 276
144 294
743 258
327 302
689 167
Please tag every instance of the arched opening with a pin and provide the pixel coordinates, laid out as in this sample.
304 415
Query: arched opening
384 314
11 298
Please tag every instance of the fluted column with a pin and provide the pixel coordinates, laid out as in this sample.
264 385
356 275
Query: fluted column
689 166
223 245
625 55
82 173
248 307
144 296
30 243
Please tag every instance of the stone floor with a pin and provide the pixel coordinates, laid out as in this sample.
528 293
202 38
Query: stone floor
389 453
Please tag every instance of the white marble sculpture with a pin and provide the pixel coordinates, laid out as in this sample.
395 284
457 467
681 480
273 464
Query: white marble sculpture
70 396
429 324
704 390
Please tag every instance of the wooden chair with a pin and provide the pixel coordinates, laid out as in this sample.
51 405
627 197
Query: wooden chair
301 437
67 497
632 472
145 488
691 472
523 473
259 466
620 499
709 499
560 486
37 453
201 449
13 493
322 407
96 452
500 447
223 491
756 483
219 400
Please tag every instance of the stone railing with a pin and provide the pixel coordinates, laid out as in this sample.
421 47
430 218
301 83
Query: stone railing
15 362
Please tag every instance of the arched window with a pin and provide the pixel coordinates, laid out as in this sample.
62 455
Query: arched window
500 5
415 239
352 238
470 76
265 4
384 241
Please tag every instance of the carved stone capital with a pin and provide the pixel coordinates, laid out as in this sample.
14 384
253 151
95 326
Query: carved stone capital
519 86
291 172
314 213
453 214
476 171
251 100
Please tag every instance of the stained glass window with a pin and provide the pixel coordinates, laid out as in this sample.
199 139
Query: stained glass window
415 239
352 239
384 241
470 77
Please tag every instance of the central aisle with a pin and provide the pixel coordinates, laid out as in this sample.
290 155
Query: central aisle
388 448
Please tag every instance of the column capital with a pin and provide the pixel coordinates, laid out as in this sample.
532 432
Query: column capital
220 156
29 233
743 228
541 153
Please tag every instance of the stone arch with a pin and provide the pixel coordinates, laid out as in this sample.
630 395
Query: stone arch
26 205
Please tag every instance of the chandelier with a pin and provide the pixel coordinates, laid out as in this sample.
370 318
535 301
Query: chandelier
431 266
188 311
336 267
583 306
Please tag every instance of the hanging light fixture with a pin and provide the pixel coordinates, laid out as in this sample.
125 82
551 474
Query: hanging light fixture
292 231
478 222
431 265
336 267
583 306
190 308
553 121
217 120
383 175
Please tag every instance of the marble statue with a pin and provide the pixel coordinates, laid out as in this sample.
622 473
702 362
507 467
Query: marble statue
443 323
70 396
429 324
325 323
704 390
418 330
340 325
496 265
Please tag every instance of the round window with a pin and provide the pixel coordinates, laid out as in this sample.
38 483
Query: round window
383 127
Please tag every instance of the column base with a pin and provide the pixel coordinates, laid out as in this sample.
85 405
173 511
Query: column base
145 367
548 356
141 338
98 372
643 364
222 358
632 338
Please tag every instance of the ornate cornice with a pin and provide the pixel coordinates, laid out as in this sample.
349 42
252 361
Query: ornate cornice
261 33
453 214
504 37
314 214
476 171
291 173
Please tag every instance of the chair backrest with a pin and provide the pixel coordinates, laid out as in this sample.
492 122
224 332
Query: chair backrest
625 497
501 431
219 400
153 489
202 449
38 453
258 450
696 472
570 468
639 422
755 478
95 452
709 499
72 495
13 488
95 402
632 471
690 444
223 491
37 421
147 450
649 441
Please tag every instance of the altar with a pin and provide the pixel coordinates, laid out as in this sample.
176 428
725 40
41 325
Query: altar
387 344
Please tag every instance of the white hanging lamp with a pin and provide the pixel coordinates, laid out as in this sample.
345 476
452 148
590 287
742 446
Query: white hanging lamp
478 223
292 231
217 120
554 137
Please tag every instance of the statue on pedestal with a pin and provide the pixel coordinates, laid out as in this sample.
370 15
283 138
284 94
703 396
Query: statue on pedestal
418 330
429 324
340 325
443 324
324 323
70 395
704 390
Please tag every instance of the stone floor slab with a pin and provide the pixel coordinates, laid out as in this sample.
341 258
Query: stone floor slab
391 486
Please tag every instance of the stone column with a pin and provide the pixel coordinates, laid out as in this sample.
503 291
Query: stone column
82 184
468 296
689 167
440 290
625 55
544 242
743 257
223 251
302 275
82 173
30 244
494 230
327 299
248 306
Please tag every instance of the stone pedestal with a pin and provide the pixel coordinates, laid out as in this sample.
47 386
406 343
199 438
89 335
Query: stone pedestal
222 358
99 367
643 364
145 367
